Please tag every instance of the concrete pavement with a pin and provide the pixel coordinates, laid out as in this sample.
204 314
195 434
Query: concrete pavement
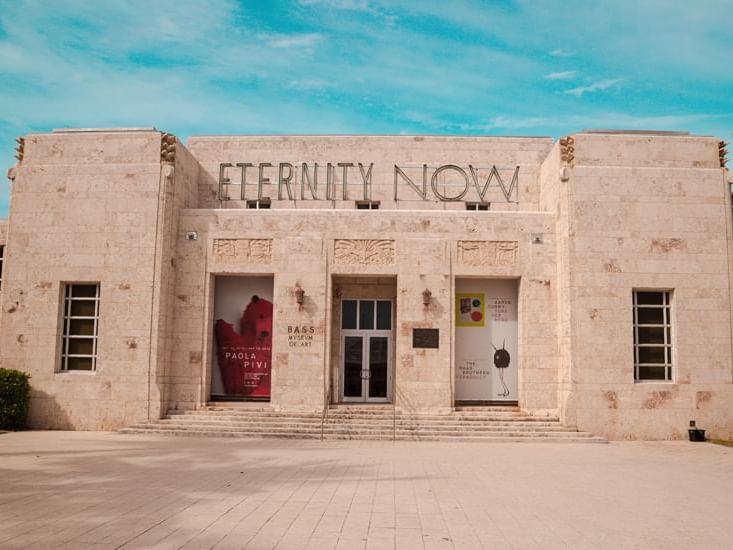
89 490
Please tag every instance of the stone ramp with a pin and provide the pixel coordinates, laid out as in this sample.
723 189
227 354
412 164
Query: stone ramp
507 424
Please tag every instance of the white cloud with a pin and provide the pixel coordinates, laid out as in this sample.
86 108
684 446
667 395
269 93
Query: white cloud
515 122
363 6
360 5
560 52
308 84
292 40
608 120
594 87
564 75
426 120
129 64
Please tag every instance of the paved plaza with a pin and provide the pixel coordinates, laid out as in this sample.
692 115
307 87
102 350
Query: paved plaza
89 490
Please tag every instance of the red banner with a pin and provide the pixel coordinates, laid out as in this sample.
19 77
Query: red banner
245 359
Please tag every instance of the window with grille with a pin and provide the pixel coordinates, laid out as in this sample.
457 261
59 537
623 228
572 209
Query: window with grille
652 335
478 205
81 324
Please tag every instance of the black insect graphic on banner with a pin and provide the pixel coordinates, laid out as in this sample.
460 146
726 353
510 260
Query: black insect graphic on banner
501 362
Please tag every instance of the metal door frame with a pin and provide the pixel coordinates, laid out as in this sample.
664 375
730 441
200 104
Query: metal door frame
365 335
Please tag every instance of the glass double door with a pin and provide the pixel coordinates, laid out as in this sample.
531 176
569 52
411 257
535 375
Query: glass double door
366 344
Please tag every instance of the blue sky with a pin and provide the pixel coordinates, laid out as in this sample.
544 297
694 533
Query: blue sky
364 66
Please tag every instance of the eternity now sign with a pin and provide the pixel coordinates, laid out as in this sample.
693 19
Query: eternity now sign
311 181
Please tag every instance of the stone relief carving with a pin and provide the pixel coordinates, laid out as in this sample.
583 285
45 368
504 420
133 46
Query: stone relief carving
20 149
487 253
723 153
243 250
167 148
364 251
567 150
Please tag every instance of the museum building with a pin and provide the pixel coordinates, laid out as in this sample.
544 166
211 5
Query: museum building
588 278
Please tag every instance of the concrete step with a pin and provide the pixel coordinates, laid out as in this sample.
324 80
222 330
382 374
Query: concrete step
168 430
359 422
316 417
353 410
389 412
371 407
452 420
578 437
366 425
400 424
358 427
362 431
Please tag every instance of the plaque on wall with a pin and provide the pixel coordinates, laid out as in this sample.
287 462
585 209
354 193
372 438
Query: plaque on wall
425 338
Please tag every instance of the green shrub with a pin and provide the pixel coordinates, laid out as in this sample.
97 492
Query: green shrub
15 392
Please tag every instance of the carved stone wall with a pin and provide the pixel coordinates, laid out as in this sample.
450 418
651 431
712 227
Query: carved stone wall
364 251
243 250
487 253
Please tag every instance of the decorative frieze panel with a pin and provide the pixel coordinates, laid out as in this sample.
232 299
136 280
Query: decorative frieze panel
364 252
487 253
257 251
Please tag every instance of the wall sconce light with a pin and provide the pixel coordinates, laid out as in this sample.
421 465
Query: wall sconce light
427 297
299 295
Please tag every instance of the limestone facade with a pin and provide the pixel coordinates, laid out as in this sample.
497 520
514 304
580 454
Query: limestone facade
3 242
577 226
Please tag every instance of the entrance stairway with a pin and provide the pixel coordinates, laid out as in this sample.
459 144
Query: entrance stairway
373 422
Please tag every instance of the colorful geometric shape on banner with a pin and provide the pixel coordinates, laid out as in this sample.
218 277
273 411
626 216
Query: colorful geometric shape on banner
470 310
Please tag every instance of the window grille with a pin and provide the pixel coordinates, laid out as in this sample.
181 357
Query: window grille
652 335
81 326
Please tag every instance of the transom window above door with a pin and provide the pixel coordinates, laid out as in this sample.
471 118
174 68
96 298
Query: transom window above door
366 315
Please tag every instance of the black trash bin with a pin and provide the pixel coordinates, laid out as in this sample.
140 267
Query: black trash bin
696 434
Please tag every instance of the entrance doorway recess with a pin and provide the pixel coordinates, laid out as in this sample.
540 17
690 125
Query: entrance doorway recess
486 346
366 351
242 331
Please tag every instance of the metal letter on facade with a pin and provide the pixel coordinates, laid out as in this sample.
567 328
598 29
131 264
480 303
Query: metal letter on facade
284 181
423 193
243 184
494 173
434 182
223 181
329 182
345 166
262 180
367 178
306 179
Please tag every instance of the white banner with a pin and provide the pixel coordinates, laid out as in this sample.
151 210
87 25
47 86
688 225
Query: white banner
486 340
